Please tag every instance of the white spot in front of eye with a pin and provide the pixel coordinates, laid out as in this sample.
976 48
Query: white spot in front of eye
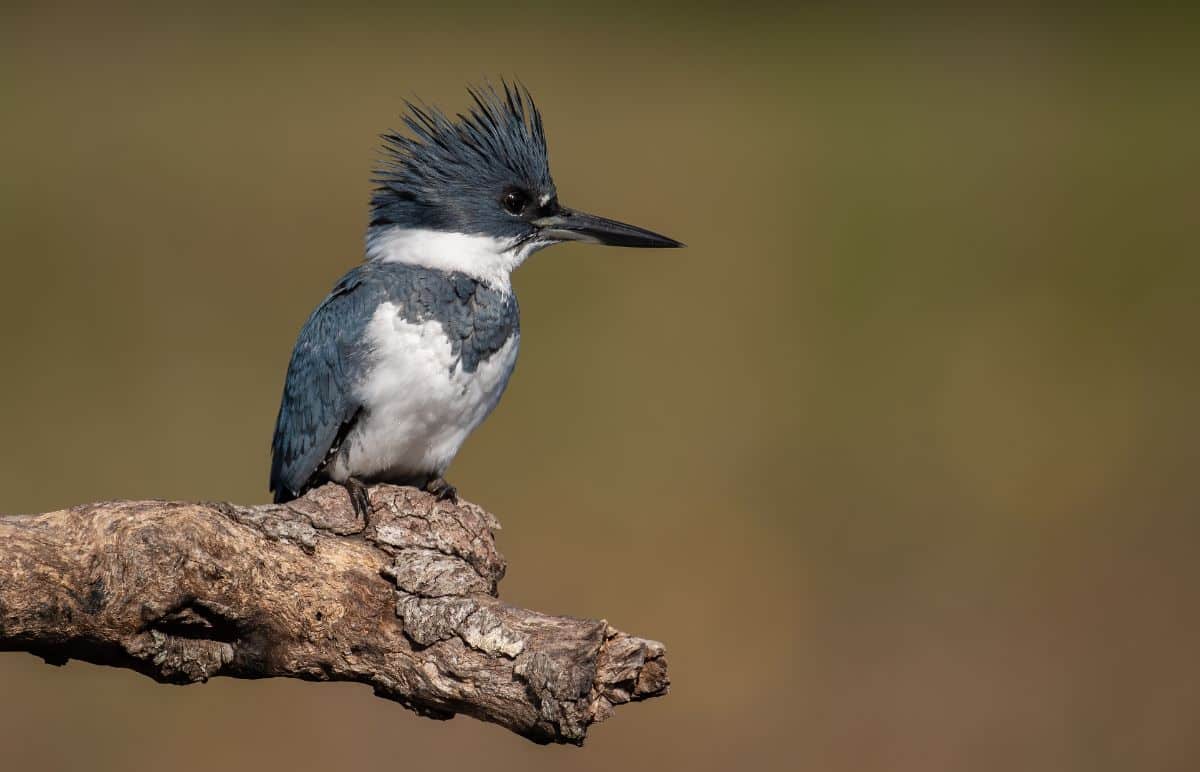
545 199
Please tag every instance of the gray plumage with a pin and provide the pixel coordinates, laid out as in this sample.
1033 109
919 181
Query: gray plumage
448 174
332 355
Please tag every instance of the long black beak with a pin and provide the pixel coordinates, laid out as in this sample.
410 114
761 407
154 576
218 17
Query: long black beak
567 225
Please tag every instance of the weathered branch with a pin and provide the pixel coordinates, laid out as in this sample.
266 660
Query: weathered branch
406 603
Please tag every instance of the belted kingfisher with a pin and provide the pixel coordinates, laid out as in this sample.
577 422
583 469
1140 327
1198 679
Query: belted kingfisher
412 349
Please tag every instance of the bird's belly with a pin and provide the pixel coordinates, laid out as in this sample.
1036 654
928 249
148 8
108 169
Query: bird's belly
419 402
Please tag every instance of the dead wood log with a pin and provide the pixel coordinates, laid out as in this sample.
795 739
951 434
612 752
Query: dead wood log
406 603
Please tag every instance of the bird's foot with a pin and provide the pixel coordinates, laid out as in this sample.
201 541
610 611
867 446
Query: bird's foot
360 497
442 490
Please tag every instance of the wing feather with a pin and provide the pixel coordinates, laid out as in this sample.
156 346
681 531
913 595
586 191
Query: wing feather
318 405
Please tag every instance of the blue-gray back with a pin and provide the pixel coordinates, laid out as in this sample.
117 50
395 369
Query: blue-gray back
331 355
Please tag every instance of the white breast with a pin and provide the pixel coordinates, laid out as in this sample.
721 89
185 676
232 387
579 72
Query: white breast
419 404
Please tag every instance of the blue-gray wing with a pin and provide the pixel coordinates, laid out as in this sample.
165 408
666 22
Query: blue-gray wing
319 406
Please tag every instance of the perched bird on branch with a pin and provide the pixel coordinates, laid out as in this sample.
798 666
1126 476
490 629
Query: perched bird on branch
412 349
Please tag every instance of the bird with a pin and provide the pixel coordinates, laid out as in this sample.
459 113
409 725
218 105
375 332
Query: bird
413 348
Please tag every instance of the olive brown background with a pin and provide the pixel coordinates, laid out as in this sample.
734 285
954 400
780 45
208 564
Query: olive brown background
898 457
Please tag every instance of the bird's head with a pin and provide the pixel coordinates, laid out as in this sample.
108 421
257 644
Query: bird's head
475 194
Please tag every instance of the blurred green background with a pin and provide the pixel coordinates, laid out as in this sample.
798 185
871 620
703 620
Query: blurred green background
898 457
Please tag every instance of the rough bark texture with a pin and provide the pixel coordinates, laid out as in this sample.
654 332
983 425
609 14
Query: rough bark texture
406 603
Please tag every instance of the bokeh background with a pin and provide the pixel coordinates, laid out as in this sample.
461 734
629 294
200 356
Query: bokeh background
898 457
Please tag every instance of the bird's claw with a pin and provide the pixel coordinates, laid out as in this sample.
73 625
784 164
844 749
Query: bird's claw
360 498
442 490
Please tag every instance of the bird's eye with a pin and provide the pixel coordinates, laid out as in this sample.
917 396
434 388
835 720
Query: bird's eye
515 201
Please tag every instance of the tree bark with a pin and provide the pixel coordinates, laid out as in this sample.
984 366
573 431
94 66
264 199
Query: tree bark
407 603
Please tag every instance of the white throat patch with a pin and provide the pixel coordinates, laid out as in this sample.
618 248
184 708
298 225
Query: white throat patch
488 259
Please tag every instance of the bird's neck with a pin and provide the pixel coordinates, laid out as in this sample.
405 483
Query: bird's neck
488 259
